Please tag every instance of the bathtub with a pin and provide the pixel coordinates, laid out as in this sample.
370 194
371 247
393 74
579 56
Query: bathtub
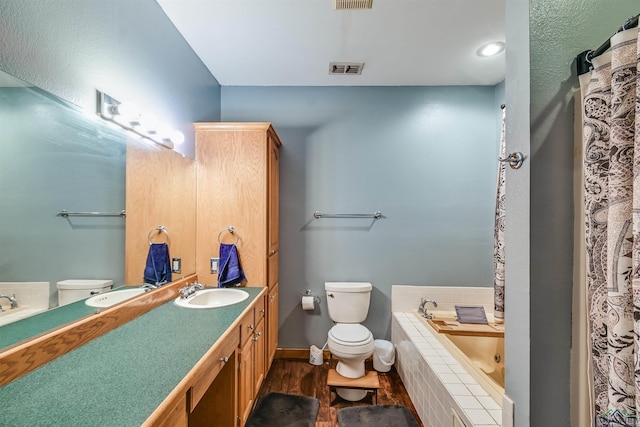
483 356
449 377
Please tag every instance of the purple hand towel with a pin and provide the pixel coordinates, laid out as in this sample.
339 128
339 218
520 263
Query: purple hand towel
230 273
158 268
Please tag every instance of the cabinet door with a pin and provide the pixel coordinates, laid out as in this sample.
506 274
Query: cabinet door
273 196
272 325
245 381
259 370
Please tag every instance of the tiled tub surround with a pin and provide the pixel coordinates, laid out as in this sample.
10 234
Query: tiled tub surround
32 298
405 298
437 382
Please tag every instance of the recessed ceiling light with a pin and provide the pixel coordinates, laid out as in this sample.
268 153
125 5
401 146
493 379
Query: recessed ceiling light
491 49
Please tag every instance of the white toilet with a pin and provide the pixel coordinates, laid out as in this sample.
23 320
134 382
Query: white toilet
348 340
76 289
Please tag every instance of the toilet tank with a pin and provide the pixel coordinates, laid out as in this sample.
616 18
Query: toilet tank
348 302
76 289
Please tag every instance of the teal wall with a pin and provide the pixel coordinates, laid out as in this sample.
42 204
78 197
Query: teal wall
424 156
128 49
72 48
65 162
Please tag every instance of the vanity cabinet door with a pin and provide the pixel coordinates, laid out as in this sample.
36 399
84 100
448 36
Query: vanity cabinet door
260 360
273 194
246 392
272 325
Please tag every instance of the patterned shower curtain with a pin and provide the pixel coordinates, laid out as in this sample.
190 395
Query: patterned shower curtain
498 234
611 133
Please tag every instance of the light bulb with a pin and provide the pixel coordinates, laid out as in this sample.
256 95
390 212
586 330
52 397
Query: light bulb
177 137
491 49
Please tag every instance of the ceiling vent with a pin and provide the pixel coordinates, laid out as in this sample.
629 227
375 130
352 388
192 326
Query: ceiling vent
352 4
346 67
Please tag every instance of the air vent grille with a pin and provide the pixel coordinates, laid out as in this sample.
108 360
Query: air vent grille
345 67
352 4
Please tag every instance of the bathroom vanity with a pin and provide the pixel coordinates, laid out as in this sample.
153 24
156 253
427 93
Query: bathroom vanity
168 367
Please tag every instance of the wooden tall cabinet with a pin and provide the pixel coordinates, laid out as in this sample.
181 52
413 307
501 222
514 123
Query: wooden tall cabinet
238 185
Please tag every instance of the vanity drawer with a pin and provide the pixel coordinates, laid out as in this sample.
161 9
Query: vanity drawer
260 309
207 373
247 327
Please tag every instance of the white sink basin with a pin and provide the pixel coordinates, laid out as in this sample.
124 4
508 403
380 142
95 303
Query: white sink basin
13 314
106 300
212 298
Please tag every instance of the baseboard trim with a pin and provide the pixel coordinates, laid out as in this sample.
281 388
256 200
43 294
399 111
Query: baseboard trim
298 353
303 353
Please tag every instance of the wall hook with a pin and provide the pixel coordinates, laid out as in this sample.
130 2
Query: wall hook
515 160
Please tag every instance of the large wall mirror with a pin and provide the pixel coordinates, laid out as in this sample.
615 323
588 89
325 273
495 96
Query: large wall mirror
57 157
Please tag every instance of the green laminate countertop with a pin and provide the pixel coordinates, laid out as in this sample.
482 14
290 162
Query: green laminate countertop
29 327
120 378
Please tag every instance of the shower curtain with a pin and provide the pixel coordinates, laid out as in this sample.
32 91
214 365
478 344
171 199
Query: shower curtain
498 233
611 133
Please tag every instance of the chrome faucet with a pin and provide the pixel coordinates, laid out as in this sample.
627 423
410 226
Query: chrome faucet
189 290
148 286
422 308
12 300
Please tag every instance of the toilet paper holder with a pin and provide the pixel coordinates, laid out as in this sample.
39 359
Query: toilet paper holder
308 293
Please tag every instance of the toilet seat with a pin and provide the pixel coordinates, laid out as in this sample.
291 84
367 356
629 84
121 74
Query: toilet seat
350 334
350 340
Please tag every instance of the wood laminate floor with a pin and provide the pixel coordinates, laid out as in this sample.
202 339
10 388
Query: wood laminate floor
297 376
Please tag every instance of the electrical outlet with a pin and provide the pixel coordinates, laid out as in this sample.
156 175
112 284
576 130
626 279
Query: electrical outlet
214 265
176 264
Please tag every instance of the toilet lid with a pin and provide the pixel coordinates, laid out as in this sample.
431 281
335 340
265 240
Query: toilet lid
349 333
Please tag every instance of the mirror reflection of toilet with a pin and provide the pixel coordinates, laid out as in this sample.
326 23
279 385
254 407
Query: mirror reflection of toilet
349 341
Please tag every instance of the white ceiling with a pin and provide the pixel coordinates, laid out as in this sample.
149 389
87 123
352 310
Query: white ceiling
291 42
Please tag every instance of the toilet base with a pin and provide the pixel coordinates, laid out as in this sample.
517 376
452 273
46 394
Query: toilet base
351 394
350 368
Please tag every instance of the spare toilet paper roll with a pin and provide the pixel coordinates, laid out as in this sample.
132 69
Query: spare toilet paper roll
307 303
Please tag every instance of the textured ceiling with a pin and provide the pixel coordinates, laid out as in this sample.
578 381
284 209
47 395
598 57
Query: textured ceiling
291 42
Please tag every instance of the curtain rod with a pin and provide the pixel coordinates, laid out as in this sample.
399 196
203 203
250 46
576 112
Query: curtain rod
583 60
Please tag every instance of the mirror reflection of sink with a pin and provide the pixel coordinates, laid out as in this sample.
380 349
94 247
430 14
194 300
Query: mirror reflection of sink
108 299
212 298
11 315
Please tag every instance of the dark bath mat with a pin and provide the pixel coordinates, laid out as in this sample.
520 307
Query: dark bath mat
284 410
377 415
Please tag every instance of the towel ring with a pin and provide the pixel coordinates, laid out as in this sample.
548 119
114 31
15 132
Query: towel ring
231 230
159 229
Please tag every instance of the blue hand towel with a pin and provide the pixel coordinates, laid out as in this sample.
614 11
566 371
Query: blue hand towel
230 273
158 268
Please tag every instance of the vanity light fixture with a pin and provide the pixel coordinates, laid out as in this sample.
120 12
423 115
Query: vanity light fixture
144 125
491 49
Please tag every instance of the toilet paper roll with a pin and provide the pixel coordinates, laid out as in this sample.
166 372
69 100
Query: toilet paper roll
307 303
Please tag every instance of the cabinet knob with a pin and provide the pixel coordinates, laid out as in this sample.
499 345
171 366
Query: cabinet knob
250 326
256 336
224 359
261 311
272 252
272 297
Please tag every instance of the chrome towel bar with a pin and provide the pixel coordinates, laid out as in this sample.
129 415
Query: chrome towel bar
64 213
375 215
